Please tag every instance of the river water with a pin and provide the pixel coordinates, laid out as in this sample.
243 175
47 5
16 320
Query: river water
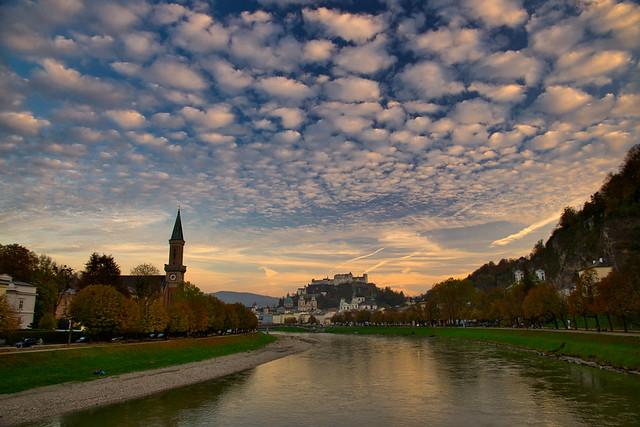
386 381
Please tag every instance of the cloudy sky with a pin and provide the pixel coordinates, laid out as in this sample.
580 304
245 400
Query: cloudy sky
410 140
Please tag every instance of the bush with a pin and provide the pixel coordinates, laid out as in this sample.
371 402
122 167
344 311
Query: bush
48 321
48 336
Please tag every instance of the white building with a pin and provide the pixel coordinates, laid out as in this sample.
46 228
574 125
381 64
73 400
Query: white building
339 279
22 297
518 276
540 275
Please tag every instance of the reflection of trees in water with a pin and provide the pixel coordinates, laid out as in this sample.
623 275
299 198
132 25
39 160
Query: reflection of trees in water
168 408
592 395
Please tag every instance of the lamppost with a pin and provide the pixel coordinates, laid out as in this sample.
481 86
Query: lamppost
70 330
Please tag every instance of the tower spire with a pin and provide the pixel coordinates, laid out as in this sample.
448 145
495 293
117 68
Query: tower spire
177 229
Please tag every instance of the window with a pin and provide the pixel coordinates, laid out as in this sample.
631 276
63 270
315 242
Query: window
20 304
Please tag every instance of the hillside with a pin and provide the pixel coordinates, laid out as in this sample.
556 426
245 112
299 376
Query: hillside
245 298
607 226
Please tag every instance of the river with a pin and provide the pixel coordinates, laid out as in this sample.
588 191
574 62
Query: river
386 381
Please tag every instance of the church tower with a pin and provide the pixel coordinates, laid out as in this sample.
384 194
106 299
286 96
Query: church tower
174 269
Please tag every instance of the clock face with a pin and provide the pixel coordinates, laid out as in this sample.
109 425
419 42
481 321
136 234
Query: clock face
172 276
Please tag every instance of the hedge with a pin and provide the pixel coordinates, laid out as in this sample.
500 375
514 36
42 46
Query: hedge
48 336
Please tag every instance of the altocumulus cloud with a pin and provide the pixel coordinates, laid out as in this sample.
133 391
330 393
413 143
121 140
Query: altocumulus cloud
300 137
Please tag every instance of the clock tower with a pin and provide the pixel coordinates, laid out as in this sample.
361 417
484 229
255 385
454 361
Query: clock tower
174 269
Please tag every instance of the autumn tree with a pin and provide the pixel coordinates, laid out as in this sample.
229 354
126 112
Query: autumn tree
582 298
618 294
153 316
98 307
8 319
542 303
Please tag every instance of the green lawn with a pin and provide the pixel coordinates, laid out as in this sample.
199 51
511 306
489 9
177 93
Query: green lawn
24 370
613 350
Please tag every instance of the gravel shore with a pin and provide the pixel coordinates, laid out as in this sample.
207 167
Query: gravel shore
45 402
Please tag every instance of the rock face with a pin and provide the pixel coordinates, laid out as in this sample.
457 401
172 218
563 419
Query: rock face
607 227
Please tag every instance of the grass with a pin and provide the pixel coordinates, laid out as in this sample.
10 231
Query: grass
24 370
611 350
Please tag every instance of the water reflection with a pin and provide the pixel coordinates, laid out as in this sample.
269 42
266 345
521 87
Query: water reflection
391 381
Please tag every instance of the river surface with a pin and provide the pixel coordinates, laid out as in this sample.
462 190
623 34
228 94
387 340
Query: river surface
385 381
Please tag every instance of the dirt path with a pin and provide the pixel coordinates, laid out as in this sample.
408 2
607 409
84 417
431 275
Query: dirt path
45 402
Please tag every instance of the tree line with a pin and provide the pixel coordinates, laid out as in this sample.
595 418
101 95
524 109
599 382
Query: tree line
107 305
530 303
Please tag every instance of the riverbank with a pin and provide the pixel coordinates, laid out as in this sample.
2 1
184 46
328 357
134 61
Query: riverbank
46 402
617 352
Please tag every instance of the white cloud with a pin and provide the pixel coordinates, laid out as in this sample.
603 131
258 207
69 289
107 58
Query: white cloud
562 100
350 89
318 50
496 13
350 27
525 231
473 111
199 33
215 116
140 45
556 39
368 58
69 82
453 45
430 79
284 87
287 136
228 77
510 66
22 122
172 73
291 118
499 93
126 119
215 138
586 66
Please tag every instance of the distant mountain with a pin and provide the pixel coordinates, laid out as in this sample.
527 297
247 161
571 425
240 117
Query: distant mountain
245 298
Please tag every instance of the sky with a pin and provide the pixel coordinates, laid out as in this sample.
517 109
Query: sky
410 140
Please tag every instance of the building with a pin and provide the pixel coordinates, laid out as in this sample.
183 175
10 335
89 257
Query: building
63 309
340 279
600 267
175 269
357 303
518 276
540 275
22 297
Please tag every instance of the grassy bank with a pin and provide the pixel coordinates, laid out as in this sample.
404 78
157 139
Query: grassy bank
24 370
612 350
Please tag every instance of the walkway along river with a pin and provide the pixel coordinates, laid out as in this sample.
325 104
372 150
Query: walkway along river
390 381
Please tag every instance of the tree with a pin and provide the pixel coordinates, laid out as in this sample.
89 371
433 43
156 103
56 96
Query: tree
130 317
145 285
8 319
18 262
216 312
618 295
154 316
542 303
102 270
145 270
98 307
581 299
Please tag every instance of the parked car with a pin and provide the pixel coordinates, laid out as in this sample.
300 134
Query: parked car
82 339
116 339
28 342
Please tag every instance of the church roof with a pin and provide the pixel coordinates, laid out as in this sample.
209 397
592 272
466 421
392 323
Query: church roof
177 229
